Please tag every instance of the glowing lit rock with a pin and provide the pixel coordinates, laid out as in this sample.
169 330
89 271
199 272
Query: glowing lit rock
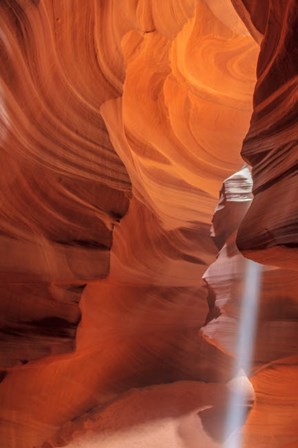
102 104
276 311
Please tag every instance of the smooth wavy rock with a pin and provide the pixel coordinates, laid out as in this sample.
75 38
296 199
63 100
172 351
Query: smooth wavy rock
225 277
277 317
275 335
276 407
119 121
62 185
88 88
269 232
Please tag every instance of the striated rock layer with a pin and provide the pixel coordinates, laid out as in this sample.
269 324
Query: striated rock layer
137 110
269 232
62 185
272 364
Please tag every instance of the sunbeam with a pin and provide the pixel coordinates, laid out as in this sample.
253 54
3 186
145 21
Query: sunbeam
243 357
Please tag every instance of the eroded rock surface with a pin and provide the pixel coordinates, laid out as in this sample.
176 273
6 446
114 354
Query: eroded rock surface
269 232
133 110
62 185
274 339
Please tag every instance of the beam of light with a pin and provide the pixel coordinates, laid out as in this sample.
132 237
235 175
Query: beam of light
237 407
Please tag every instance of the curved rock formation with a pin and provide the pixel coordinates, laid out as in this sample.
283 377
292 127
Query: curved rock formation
276 406
135 110
62 188
276 314
272 364
271 144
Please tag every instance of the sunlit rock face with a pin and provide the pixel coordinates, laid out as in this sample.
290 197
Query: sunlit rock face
271 337
276 317
225 277
110 110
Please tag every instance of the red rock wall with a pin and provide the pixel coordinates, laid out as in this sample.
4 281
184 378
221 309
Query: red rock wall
269 232
113 109
273 364
62 185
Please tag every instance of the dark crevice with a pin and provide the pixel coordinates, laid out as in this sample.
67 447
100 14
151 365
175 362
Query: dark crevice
192 259
3 374
90 244
286 174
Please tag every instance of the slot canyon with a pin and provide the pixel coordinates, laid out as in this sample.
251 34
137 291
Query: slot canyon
149 224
